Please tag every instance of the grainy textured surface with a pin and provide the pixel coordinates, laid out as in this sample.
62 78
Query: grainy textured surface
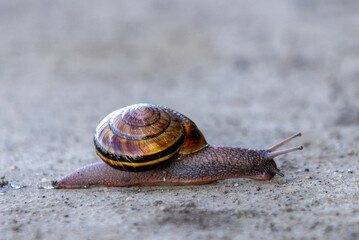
249 74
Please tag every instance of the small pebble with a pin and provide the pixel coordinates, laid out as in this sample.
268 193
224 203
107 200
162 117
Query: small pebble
164 209
13 168
45 180
3 182
306 170
236 184
308 177
190 205
129 199
350 171
237 202
157 203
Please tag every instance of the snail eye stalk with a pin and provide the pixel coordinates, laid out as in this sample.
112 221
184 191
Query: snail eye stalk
272 153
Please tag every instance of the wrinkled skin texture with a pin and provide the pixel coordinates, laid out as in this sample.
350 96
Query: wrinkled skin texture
207 165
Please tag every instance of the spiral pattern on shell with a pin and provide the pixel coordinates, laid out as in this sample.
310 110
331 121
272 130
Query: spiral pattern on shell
142 136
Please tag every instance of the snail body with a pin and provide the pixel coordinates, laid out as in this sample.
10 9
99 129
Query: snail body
146 144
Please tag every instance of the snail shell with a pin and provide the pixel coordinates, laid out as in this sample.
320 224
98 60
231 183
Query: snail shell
143 136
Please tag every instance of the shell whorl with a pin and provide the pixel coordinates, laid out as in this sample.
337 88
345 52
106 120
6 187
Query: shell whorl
143 136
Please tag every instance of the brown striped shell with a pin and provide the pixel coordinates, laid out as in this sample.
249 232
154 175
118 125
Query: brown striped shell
142 136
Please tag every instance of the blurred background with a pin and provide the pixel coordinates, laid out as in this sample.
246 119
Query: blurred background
248 73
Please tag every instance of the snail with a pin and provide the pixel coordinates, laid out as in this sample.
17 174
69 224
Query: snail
146 144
